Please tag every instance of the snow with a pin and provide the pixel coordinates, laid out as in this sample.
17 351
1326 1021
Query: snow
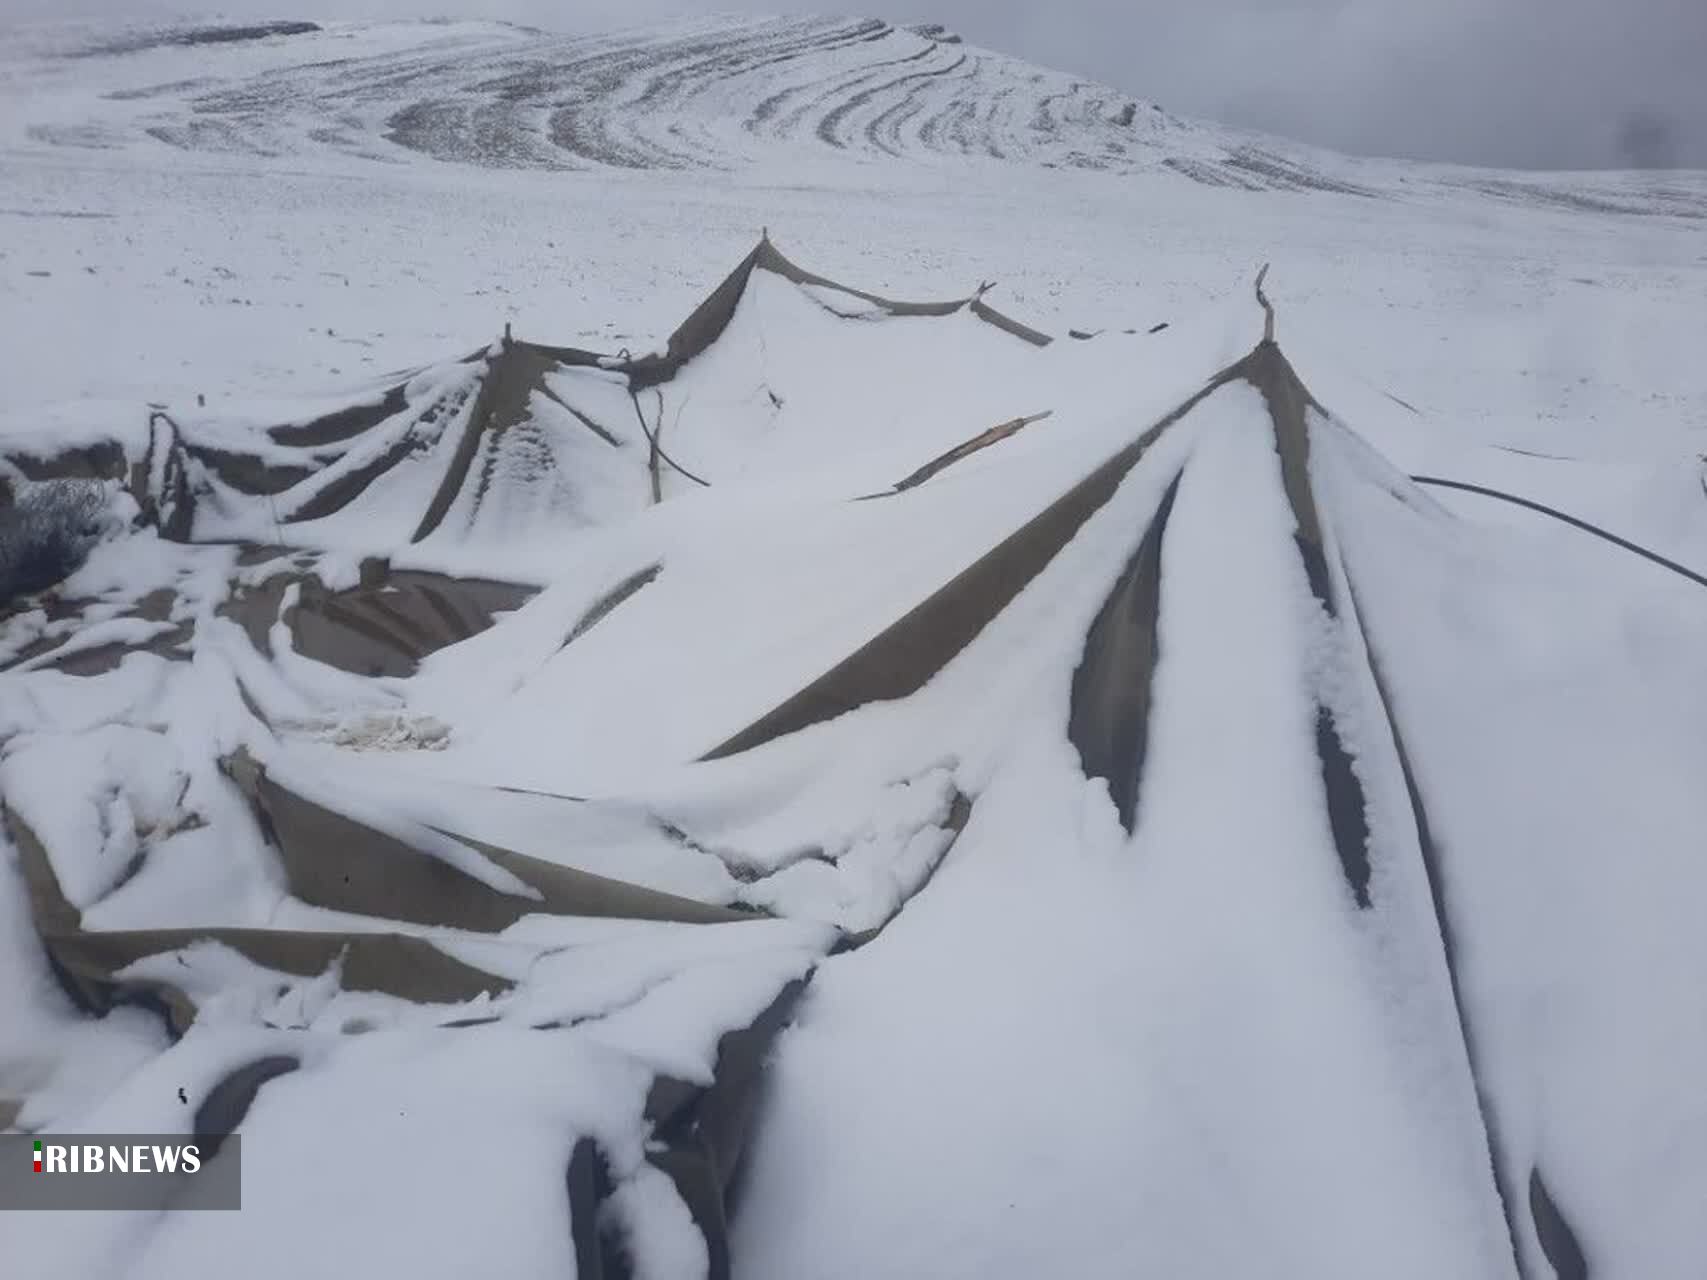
666 1242
135 787
1057 1047
124 631
609 838
1564 886
1095 1086
393 1179
52 1060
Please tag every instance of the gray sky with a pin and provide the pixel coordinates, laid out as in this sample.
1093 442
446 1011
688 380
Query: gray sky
1533 83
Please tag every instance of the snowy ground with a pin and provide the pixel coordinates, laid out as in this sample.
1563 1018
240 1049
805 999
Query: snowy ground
1182 1049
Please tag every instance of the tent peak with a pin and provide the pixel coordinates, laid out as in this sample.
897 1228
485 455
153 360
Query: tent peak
1267 309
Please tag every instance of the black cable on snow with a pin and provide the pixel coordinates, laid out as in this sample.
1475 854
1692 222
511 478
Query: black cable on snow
1584 525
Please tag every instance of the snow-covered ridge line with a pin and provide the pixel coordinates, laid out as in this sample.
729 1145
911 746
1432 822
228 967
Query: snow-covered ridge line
723 93
701 94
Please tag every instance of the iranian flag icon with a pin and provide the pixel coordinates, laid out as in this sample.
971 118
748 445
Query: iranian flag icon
38 1157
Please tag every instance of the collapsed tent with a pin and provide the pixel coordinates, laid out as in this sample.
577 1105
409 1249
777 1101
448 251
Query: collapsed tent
1129 784
523 437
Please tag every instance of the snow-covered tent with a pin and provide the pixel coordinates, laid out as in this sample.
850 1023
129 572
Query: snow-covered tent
493 445
1208 855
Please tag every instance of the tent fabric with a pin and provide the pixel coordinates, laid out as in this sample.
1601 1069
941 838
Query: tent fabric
1109 722
91 962
379 874
899 661
326 466
58 648
707 322
386 627
983 440
1045 679
511 378
697 1129
342 424
1112 705
383 627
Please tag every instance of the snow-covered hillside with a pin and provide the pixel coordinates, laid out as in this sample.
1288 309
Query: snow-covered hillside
719 94
764 648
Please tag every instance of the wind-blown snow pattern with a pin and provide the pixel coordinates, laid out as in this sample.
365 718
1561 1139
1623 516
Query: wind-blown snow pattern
708 94
718 94
681 753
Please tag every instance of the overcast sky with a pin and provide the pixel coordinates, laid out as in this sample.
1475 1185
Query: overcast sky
1535 83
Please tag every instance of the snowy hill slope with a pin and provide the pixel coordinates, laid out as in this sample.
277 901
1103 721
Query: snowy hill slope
704 95
715 94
